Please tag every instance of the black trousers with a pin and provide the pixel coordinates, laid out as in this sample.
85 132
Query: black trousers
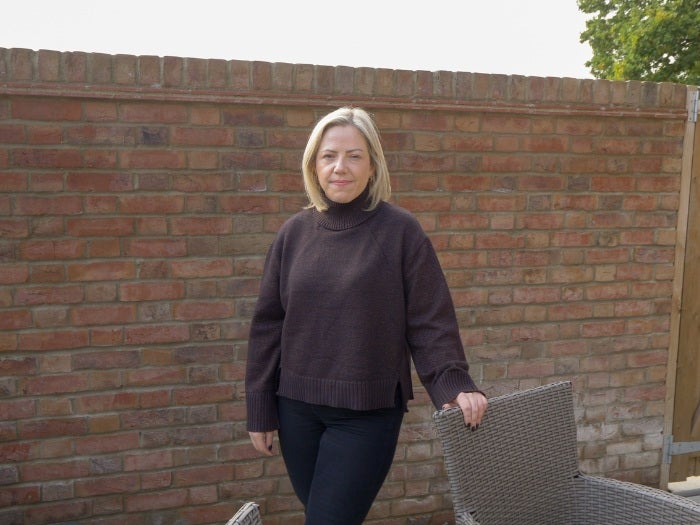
337 459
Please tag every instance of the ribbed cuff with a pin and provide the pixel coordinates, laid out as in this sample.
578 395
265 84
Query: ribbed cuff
261 408
449 385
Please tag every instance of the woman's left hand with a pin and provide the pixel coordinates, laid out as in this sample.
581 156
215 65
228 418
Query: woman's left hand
473 406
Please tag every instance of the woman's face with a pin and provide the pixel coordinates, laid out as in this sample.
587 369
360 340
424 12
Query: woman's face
343 163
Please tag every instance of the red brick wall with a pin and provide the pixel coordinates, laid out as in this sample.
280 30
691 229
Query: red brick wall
138 198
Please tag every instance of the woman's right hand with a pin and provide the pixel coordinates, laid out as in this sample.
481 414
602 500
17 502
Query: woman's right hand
262 441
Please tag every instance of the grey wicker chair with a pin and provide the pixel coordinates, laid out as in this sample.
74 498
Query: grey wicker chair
521 467
248 514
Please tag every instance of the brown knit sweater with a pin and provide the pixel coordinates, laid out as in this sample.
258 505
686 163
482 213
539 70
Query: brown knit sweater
347 297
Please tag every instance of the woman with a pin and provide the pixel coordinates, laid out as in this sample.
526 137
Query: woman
351 290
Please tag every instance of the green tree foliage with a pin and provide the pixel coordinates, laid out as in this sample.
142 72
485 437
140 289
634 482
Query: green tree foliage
657 40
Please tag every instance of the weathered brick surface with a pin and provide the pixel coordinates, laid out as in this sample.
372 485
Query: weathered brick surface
138 196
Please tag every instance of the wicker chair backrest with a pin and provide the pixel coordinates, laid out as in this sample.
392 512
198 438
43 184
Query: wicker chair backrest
519 466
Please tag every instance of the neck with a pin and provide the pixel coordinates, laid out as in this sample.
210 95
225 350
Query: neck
344 215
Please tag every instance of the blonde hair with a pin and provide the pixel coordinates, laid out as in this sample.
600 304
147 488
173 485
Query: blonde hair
379 183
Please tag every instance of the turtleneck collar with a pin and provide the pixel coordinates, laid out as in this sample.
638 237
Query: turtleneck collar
342 216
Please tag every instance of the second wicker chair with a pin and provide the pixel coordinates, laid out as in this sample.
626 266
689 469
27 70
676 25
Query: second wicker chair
521 467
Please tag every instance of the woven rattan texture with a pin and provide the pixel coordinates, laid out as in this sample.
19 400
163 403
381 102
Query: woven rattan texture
602 500
248 514
521 467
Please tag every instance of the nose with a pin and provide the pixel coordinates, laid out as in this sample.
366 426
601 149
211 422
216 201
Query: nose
339 165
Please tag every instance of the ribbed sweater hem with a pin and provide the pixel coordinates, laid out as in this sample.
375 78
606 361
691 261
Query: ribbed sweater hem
355 395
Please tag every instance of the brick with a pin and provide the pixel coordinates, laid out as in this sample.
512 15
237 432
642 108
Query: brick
417 204
15 410
105 360
198 475
96 227
15 320
100 292
156 334
13 134
156 460
106 337
45 182
536 295
16 496
653 255
18 366
153 159
201 268
106 485
13 182
149 70
53 428
14 273
151 112
104 248
206 354
426 162
155 377
75 67
645 393
239 74
125 69
261 76
20 65
102 315
92 445
151 204
153 501
217 73
200 226
203 394
203 310
46 109
62 511
143 419
101 271
100 159
52 340
151 291
14 228
99 111
100 68
61 205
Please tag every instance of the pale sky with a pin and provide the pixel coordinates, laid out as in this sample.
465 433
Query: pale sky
522 37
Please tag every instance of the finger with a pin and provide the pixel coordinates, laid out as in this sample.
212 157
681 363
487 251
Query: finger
479 405
483 405
467 413
465 408
473 408
260 442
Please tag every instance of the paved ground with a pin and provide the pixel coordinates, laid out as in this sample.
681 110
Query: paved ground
689 488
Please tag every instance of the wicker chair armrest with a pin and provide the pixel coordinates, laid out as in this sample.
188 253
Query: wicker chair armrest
605 500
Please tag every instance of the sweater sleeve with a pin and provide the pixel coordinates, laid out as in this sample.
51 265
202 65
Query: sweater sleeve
432 329
264 348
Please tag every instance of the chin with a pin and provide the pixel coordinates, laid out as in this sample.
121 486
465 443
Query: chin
341 199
